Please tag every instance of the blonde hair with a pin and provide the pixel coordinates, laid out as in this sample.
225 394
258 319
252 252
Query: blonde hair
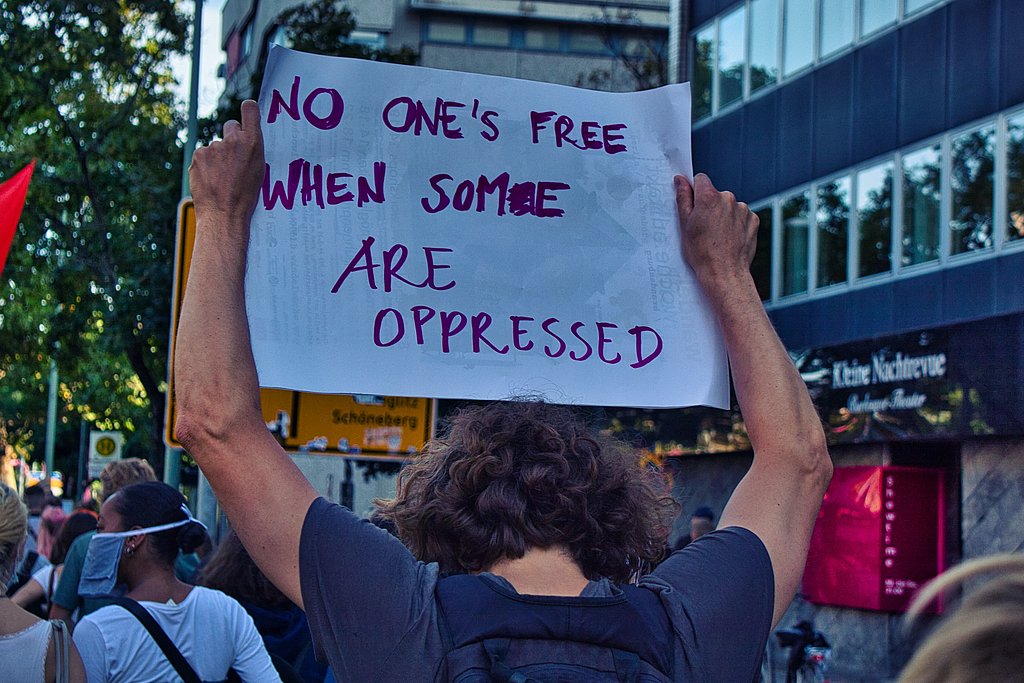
120 473
983 639
13 529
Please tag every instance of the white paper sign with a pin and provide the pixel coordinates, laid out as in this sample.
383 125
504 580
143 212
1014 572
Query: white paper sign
433 233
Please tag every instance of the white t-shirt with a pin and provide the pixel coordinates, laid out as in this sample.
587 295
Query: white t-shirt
213 632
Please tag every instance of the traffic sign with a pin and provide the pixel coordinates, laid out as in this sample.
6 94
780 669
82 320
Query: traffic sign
104 448
370 426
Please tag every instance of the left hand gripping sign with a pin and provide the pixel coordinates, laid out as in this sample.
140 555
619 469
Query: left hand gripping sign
432 233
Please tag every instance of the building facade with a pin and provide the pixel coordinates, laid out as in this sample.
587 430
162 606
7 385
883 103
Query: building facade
881 143
576 42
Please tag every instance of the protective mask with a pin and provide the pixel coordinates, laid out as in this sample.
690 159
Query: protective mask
99 571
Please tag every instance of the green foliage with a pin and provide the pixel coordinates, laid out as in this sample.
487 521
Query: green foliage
322 27
89 275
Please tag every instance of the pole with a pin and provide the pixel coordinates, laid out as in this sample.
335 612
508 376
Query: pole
172 459
83 454
51 419
193 97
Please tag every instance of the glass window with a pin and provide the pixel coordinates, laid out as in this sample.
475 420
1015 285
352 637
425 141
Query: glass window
922 195
1015 178
542 39
832 218
703 63
732 39
914 5
836 25
876 14
874 219
246 46
795 218
971 179
495 36
761 266
798 39
446 31
764 43
587 41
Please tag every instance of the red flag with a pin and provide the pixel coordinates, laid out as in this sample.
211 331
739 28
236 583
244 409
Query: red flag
12 199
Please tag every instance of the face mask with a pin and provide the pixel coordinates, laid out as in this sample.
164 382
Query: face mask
99 571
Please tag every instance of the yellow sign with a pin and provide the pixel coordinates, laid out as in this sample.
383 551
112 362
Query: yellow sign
106 446
320 423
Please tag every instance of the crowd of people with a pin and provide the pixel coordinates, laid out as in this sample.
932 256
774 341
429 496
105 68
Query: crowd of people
521 545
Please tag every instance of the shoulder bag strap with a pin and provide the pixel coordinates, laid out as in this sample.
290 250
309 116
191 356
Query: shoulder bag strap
173 654
61 650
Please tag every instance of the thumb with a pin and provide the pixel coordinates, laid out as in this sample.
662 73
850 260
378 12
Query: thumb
684 197
251 116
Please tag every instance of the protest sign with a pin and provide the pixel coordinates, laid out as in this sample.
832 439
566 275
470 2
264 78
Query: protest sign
432 233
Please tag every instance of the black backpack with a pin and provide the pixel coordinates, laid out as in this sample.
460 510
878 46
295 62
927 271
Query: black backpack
493 634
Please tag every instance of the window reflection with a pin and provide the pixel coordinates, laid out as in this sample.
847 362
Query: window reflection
798 42
874 219
764 43
492 35
795 218
542 39
761 267
922 197
836 25
1015 178
876 14
732 39
703 62
914 5
972 190
832 216
446 31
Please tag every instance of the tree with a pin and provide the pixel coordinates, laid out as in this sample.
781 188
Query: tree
641 53
88 279
322 27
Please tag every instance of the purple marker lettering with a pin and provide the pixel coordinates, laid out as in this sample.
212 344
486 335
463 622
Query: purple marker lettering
333 116
373 194
546 326
463 200
589 135
386 114
274 192
537 121
337 189
602 340
452 133
520 199
442 196
452 322
491 134
421 315
393 265
575 329
363 260
609 137
432 267
313 184
480 323
378 325
543 188
641 359
277 103
485 187
518 332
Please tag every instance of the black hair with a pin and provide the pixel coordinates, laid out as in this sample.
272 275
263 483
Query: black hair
153 503
74 526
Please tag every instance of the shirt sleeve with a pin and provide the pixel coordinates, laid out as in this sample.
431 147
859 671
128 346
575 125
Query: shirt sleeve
364 593
720 593
252 661
66 593
89 640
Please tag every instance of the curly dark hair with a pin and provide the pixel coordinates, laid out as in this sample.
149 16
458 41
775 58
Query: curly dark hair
511 476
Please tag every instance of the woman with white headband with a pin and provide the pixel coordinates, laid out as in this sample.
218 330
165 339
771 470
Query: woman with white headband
161 629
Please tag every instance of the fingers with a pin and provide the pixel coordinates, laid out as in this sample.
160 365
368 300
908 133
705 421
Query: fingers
684 196
250 115
231 128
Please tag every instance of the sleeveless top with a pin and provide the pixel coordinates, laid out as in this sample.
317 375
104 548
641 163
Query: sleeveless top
24 653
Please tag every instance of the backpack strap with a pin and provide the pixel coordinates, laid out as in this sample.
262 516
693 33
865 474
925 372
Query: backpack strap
170 650
61 650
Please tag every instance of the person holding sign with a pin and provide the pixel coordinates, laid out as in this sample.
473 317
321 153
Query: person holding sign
517 517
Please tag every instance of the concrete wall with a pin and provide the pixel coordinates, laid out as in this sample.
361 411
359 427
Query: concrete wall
992 497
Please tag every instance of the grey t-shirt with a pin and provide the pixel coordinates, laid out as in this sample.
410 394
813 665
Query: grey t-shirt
373 614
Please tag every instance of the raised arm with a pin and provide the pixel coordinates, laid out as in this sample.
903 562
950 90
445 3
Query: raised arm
217 393
780 495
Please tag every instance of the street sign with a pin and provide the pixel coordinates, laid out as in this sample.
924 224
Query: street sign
104 448
370 426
